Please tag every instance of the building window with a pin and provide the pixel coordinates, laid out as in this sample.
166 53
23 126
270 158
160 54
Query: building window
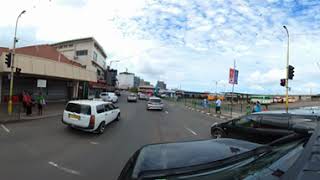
95 56
82 53
98 72
70 45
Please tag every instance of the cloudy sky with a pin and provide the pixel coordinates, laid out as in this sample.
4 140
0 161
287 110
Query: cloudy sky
187 43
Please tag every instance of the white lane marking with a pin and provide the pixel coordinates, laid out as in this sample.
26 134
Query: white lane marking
166 112
63 168
190 130
93 142
5 128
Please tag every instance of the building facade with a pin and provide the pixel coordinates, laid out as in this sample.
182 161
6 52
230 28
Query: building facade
161 85
64 79
136 82
89 53
125 80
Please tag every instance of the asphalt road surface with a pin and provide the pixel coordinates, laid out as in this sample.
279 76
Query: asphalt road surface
47 149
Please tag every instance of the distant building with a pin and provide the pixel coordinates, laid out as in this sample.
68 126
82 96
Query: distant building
161 85
90 54
111 78
136 82
147 83
125 80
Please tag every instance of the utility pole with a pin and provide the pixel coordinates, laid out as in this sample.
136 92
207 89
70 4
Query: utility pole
287 75
12 64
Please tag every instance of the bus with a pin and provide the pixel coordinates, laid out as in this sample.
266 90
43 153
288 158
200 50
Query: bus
261 99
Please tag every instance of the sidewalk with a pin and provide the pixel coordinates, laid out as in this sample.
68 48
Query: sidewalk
222 115
50 110
225 114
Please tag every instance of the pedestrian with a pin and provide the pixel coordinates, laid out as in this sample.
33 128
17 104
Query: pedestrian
205 103
28 104
257 107
218 106
248 109
40 103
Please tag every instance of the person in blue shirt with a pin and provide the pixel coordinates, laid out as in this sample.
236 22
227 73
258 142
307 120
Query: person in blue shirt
257 107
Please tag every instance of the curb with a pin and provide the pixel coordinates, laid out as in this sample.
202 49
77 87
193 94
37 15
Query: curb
223 117
26 119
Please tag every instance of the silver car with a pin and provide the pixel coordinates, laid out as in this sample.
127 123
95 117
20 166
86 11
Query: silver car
155 103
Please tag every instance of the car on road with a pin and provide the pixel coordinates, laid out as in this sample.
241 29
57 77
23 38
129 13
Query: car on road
89 115
262 127
154 103
109 96
117 92
143 96
218 159
132 97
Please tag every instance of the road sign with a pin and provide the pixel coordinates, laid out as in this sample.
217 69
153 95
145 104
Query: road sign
233 76
42 83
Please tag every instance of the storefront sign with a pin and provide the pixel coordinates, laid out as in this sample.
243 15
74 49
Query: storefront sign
42 83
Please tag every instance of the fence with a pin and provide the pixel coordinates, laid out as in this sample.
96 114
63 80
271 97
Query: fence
240 107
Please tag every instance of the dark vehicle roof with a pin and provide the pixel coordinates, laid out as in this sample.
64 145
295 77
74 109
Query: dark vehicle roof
307 165
186 154
302 111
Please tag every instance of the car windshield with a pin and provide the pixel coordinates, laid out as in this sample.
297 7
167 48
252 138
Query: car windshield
174 70
79 108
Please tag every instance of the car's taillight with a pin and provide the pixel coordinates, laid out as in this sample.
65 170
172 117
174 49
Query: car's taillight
92 121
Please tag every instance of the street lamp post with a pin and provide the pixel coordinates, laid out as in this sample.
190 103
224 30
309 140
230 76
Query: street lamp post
287 74
12 64
112 62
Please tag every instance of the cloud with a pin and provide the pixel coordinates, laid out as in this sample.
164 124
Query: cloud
184 42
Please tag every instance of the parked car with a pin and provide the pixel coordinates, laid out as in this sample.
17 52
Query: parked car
143 96
262 127
89 115
132 98
154 103
217 159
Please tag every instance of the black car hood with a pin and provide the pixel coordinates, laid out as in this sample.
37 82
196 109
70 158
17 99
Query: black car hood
185 154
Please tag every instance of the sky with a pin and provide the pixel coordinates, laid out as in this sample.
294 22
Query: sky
186 43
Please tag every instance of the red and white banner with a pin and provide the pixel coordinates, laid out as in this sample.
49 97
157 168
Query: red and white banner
233 76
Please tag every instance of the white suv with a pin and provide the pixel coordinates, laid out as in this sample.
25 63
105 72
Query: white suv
90 116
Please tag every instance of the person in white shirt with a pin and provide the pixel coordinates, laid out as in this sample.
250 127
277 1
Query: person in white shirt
218 106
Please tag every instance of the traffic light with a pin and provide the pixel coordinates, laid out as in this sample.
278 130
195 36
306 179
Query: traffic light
290 72
18 71
282 82
8 60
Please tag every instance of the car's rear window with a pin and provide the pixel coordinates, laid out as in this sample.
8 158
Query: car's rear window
155 100
79 108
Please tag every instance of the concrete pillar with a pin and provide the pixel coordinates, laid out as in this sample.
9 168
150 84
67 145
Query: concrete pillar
75 89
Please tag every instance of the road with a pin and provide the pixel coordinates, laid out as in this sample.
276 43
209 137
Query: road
47 149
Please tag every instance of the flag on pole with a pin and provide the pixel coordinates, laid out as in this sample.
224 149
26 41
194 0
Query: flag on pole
233 76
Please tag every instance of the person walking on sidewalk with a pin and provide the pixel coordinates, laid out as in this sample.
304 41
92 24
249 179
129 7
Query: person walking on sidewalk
218 106
24 105
28 102
40 102
257 107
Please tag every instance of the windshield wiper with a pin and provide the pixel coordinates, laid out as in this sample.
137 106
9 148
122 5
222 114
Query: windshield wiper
205 167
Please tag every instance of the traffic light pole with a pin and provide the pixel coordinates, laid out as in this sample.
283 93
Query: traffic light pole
287 74
12 64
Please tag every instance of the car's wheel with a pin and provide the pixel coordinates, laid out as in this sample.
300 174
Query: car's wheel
218 133
101 128
118 117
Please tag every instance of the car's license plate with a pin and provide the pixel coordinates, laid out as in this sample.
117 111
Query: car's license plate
73 116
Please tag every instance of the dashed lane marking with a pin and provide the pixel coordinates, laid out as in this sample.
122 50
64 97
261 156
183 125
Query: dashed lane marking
93 142
166 112
5 128
70 171
190 130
